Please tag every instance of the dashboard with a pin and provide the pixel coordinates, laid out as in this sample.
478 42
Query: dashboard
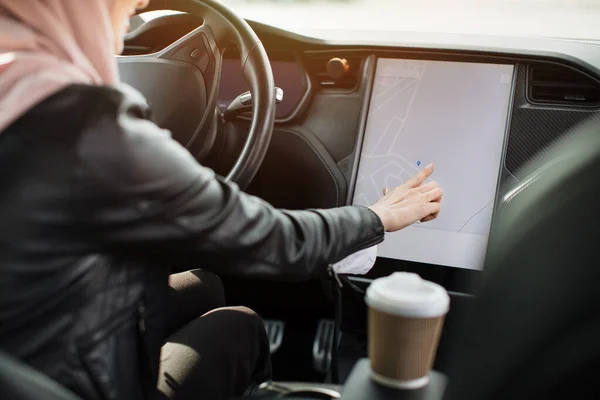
488 106
288 73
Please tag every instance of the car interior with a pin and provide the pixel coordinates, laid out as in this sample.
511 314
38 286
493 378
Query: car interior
306 122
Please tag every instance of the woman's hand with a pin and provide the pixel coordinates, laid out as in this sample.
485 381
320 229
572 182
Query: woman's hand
409 202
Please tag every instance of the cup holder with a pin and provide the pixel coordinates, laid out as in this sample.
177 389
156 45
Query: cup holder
312 393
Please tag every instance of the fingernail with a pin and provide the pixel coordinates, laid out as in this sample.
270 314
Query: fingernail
429 166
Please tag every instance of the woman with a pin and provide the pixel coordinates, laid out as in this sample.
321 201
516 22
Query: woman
96 201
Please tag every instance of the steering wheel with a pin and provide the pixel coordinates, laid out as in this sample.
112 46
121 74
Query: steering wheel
181 82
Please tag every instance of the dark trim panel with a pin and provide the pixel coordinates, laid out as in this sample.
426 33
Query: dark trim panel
369 70
580 54
555 105
304 101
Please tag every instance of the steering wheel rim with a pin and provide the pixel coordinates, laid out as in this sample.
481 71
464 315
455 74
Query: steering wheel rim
226 27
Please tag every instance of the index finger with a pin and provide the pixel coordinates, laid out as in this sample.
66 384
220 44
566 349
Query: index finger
419 178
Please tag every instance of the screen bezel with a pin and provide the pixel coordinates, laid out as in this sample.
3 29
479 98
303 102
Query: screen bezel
374 60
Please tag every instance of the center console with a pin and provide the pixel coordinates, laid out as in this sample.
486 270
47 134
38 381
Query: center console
359 386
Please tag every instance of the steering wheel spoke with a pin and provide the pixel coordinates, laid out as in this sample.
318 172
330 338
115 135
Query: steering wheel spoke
200 47
193 63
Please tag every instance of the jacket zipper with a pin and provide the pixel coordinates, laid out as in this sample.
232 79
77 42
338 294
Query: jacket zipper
141 311
144 360
334 275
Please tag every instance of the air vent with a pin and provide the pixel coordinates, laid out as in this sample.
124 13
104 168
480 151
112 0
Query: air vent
316 65
561 85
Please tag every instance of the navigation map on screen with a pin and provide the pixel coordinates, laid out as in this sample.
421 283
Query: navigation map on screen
455 115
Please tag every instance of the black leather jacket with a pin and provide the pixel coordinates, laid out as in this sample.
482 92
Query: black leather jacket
96 202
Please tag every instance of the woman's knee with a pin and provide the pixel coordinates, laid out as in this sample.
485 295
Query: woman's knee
250 313
211 282
202 354
247 326
195 277
240 317
200 287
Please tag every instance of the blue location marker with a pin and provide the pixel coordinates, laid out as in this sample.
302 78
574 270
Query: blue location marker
418 163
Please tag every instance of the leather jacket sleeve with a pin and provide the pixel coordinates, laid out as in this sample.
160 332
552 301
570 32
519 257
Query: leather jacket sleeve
140 191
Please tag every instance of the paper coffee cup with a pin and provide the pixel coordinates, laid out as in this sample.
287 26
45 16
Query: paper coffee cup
406 315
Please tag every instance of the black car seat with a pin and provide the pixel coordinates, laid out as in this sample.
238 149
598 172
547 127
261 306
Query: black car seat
19 381
534 330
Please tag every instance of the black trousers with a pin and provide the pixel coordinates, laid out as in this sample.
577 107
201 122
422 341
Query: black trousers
211 352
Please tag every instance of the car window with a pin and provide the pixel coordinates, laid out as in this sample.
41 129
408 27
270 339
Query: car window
573 19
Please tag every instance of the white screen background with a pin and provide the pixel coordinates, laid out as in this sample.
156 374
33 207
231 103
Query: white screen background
453 114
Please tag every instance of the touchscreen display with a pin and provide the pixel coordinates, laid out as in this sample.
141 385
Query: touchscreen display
455 115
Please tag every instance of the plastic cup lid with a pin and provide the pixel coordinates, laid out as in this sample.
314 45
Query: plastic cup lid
408 295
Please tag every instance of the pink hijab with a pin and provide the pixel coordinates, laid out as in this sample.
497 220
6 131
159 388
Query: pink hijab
47 45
